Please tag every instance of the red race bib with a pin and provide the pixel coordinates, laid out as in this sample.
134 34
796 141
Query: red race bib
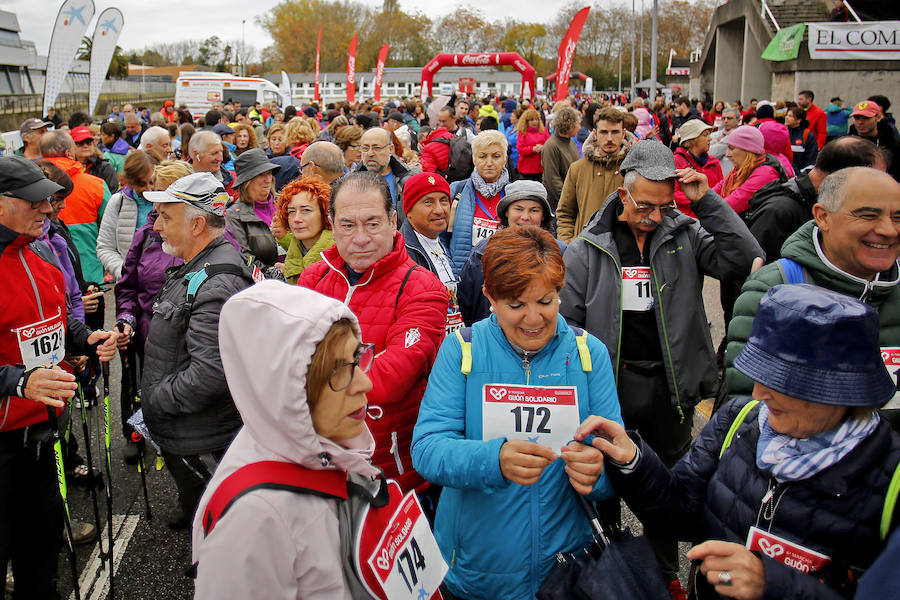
786 552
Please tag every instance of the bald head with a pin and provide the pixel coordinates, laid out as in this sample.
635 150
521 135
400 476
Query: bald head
324 160
375 147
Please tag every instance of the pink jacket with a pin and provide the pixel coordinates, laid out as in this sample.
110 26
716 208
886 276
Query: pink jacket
739 199
529 160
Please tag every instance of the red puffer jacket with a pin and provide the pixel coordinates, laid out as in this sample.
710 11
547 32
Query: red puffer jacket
712 169
436 155
34 291
407 327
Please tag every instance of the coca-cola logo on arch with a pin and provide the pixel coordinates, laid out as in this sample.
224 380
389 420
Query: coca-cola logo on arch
476 59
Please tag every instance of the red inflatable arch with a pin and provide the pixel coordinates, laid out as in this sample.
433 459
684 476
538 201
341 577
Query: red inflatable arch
479 60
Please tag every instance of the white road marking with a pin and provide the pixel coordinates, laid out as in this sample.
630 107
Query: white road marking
94 580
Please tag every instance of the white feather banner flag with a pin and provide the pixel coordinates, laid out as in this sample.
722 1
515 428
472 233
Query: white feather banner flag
106 35
71 24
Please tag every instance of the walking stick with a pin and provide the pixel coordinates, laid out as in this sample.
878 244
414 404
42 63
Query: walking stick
61 478
91 474
129 363
109 501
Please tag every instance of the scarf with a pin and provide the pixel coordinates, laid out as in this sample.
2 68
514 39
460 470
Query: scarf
489 190
265 210
788 458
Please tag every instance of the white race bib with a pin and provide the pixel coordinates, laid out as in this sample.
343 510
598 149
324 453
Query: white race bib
891 357
785 551
454 322
482 229
636 289
407 560
545 415
42 343
796 148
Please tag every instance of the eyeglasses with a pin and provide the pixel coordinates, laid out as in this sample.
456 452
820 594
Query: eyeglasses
368 148
306 164
646 209
343 373
85 142
34 204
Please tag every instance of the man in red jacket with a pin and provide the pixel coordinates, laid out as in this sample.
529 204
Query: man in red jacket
815 116
36 332
436 155
402 309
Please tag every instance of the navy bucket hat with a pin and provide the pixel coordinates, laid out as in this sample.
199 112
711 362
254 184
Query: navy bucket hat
817 345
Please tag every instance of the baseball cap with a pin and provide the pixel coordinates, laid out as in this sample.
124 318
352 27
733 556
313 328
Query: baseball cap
221 129
32 124
23 179
201 190
651 159
692 129
395 116
79 134
866 108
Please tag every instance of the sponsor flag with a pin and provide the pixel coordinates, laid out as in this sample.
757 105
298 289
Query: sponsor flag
351 71
103 45
316 95
567 52
286 99
786 43
71 24
379 70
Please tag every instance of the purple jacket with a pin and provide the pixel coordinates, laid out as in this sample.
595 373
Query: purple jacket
143 275
61 249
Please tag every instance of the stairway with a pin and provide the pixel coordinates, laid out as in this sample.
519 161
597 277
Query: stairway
791 12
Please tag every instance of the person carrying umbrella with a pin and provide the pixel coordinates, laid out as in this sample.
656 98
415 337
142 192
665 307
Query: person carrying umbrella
788 492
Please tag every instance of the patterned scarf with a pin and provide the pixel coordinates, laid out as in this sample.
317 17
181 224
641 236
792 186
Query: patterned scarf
489 190
788 458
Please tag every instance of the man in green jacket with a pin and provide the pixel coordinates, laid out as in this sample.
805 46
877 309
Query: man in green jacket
851 246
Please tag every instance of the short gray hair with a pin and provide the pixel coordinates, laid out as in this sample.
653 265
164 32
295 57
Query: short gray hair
154 136
832 193
131 117
630 178
487 138
566 119
202 140
731 109
215 223
56 143
327 157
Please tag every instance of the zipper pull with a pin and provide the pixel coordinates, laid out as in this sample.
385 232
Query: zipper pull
526 364
768 496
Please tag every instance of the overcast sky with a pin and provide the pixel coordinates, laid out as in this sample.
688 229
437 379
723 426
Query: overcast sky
201 19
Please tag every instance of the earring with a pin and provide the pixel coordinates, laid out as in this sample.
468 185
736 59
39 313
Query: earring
559 300
491 309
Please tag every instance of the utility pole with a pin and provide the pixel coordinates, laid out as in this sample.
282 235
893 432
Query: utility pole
620 68
641 76
244 66
654 41
633 32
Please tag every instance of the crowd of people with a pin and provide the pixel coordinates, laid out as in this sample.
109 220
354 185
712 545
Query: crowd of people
377 333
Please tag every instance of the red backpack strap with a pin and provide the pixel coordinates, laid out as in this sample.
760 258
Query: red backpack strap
272 475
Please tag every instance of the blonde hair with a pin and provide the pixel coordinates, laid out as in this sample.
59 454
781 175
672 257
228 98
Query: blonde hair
487 138
170 171
530 114
741 172
297 131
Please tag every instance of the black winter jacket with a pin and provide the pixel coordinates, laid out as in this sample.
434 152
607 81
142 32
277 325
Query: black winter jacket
837 512
777 210
187 406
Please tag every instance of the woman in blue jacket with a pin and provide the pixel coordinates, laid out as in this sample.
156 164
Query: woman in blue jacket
497 422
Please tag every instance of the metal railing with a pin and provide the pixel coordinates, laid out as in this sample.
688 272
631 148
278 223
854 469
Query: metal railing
67 103
766 12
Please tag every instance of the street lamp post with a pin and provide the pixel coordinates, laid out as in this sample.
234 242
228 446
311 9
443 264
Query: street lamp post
654 42
243 66
633 90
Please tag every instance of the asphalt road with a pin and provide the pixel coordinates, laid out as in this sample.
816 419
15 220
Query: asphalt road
150 559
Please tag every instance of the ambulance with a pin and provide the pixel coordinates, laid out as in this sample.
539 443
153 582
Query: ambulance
198 90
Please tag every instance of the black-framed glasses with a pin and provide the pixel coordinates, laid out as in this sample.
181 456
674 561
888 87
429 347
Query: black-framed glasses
342 374
306 164
646 209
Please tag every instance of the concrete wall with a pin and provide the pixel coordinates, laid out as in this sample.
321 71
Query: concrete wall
783 87
728 59
852 86
756 81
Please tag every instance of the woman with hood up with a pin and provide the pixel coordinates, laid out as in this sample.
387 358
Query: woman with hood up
312 413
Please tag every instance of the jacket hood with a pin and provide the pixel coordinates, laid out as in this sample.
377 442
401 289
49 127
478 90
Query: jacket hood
833 108
268 384
120 146
71 167
590 151
776 138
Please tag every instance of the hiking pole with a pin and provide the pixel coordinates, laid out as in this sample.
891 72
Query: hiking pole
129 364
61 478
91 474
109 502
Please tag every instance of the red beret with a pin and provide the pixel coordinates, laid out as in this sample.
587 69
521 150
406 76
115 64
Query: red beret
420 184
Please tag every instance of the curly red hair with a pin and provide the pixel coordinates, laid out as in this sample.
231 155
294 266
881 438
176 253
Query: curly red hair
516 257
318 190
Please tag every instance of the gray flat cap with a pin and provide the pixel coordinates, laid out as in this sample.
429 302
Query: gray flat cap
651 159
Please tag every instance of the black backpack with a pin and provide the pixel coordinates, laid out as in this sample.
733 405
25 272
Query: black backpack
459 163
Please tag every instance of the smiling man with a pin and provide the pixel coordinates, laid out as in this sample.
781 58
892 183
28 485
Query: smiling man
634 278
402 309
187 405
851 247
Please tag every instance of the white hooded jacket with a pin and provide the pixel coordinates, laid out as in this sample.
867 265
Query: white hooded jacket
276 543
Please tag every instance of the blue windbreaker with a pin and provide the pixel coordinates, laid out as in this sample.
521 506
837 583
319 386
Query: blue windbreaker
499 538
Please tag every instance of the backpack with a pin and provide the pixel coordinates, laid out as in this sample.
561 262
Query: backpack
197 278
459 161
890 499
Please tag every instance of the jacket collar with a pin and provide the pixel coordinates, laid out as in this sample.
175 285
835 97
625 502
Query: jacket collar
887 279
8 238
193 264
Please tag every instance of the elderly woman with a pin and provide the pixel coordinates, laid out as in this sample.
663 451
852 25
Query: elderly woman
495 427
693 152
348 139
303 212
275 145
244 139
789 490
126 212
474 214
524 203
250 218
307 414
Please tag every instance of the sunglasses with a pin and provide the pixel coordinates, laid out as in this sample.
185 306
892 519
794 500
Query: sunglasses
85 142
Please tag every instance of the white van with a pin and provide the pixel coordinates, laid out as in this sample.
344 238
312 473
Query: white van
199 89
